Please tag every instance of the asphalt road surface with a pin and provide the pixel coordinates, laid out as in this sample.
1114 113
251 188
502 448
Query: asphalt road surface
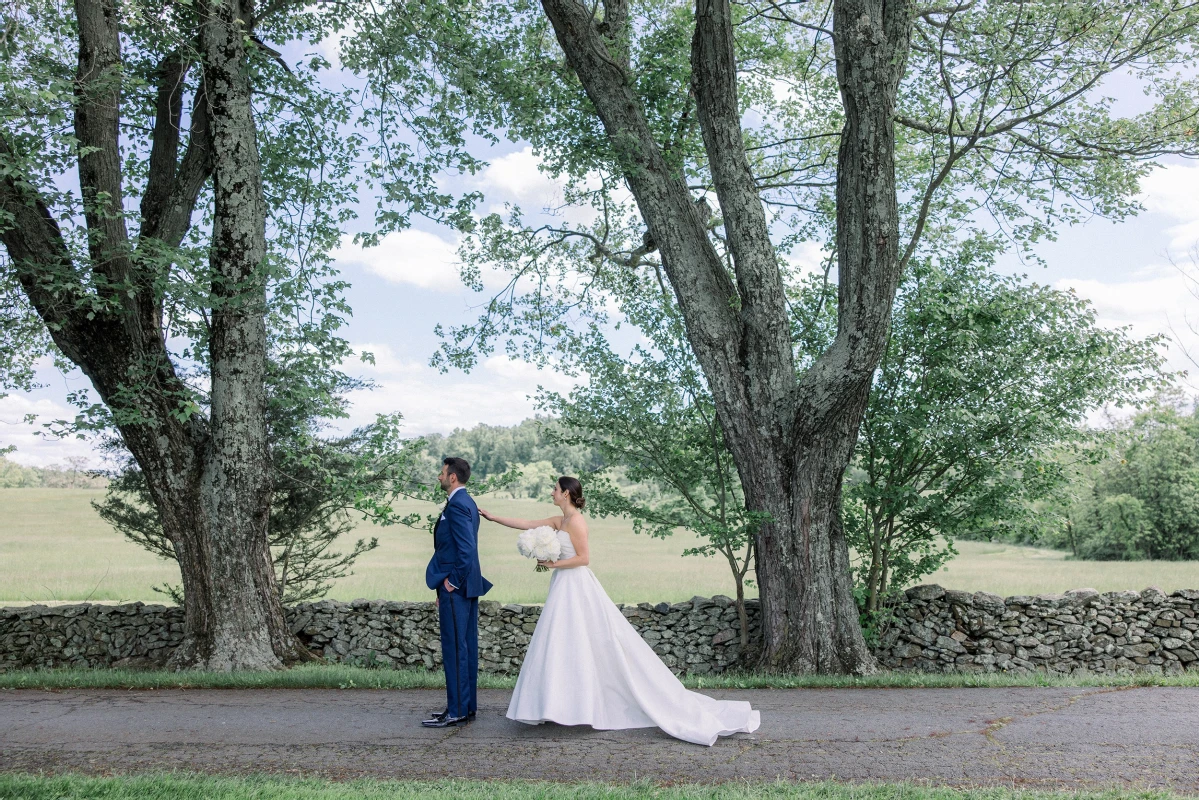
1050 738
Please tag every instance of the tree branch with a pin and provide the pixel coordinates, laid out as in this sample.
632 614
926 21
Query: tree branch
195 168
615 28
705 292
97 120
164 150
767 346
40 257
872 43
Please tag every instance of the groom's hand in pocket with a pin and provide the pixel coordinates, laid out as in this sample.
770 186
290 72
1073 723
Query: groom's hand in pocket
449 587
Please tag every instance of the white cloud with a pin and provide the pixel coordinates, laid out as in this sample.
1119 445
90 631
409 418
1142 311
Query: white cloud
516 177
526 374
409 256
330 46
499 392
1174 191
1159 302
34 450
386 364
808 257
1129 302
781 90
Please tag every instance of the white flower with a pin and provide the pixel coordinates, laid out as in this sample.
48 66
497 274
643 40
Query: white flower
539 543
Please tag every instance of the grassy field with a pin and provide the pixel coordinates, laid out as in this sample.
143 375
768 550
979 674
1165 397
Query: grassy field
197 787
1009 569
53 547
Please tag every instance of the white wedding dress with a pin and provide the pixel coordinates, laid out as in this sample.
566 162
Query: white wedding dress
586 665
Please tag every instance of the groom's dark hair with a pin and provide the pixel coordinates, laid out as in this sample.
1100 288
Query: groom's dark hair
458 467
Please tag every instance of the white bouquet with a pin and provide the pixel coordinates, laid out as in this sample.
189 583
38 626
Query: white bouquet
539 543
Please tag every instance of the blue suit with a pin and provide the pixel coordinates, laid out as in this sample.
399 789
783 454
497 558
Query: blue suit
456 559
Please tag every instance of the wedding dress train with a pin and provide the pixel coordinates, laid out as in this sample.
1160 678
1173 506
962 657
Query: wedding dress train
586 665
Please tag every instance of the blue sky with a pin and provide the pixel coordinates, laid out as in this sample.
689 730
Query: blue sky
403 288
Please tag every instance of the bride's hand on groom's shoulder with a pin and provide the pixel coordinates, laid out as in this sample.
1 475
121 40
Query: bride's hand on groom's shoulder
485 515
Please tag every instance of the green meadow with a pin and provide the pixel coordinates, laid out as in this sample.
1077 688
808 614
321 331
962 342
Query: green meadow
54 548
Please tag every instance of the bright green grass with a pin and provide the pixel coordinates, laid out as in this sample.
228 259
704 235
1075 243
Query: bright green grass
1008 569
345 677
195 787
53 547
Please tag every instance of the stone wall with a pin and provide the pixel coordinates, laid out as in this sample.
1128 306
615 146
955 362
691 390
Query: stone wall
88 635
699 636
1082 631
934 629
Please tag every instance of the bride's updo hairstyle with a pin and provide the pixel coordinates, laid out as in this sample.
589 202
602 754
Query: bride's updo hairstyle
573 488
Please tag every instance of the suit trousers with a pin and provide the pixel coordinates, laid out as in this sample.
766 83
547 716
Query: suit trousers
459 620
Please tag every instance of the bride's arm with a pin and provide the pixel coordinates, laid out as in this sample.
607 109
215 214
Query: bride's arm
520 524
582 556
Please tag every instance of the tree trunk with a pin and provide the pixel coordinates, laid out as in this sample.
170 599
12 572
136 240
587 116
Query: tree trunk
791 441
742 617
242 616
872 577
810 621
210 479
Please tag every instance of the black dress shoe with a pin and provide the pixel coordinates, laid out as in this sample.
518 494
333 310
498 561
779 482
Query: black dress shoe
445 722
439 714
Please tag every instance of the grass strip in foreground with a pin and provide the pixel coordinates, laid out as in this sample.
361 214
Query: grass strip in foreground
338 676
194 787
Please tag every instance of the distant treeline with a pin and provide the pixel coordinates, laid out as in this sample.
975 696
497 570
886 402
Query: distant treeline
529 447
56 476
1134 496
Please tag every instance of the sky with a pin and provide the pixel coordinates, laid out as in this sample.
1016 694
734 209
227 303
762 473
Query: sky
403 288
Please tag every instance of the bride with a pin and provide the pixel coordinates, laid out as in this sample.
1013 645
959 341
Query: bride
586 665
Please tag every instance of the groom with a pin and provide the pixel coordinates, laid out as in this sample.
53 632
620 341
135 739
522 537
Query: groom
454 574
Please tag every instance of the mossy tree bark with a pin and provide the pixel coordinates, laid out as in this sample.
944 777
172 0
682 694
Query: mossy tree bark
791 440
209 475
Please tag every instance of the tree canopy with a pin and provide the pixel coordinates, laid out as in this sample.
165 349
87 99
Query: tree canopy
170 190
701 145
987 381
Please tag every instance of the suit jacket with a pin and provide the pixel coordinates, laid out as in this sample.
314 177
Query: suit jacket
456 548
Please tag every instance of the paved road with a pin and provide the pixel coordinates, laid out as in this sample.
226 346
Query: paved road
1072 738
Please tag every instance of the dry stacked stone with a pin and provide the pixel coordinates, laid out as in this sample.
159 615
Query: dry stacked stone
933 630
88 635
1081 631
700 636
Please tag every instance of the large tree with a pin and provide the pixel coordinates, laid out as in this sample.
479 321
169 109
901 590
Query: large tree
857 126
210 476
170 190
980 401
790 439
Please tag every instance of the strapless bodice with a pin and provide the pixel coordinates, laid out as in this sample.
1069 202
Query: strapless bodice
568 549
